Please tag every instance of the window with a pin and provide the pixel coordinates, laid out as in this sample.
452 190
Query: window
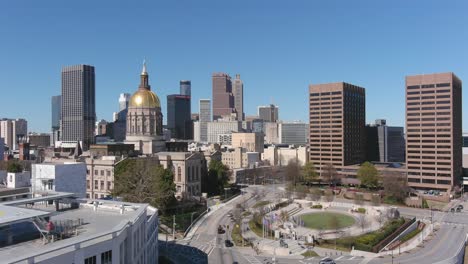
90 260
87 184
108 173
102 172
109 185
179 174
96 183
106 257
96 172
102 185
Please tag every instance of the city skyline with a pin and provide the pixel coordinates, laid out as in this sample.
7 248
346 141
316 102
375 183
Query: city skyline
279 56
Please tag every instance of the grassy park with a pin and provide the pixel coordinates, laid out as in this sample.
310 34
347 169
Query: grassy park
325 221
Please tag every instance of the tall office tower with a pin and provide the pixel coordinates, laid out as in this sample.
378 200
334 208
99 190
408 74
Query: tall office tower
268 113
185 87
124 98
223 100
179 119
205 117
337 124
238 91
56 115
78 104
14 131
434 130
385 143
292 133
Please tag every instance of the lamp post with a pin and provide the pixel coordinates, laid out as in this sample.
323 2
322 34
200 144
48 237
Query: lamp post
225 193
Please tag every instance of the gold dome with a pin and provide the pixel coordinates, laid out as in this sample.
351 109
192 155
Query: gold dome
144 98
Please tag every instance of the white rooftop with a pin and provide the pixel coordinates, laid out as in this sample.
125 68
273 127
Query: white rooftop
12 214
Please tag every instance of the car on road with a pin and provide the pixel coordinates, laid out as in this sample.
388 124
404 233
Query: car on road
221 230
228 243
460 206
327 261
458 209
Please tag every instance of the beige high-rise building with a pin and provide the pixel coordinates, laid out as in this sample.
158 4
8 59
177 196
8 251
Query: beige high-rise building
434 130
337 124
13 130
250 141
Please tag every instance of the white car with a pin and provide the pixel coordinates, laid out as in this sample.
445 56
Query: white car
327 261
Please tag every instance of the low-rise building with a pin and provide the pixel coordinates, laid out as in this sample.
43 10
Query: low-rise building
235 158
100 176
41 140
87 232
18 179
250 141
59 177
281 156
188 168
349 173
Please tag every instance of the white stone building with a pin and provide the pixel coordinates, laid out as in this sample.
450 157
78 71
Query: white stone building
280 156
59 177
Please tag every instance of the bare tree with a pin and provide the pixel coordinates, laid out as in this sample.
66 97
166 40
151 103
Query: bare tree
328 195
395 186
358 198
293 171
284 216
315 194
329 174
363 221
381 218
375 199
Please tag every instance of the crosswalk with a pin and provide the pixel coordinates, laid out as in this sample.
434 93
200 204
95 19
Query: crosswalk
251 259
339 259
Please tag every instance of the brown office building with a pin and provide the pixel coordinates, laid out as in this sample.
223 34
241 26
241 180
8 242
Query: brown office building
223 99
337 124
434 130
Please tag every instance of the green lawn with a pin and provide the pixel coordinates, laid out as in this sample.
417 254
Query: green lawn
237 236
325 220
261 203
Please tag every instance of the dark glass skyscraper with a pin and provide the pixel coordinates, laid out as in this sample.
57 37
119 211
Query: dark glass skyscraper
179 119
78 104
185 87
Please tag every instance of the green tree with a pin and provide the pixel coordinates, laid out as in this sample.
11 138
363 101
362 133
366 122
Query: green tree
142 180
218 177
309 174
368 175
14 167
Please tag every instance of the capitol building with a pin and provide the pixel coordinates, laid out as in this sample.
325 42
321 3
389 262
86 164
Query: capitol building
144 119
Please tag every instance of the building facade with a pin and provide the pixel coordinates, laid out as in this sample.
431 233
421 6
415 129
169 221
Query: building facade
281 156
434 130
39 139
292 133
185 87
205 117
268 113
216 128
223 99
337 125
179 120
144 119
13 131
252 142
238 91
385 143
59 177
56 103
78 104
100 176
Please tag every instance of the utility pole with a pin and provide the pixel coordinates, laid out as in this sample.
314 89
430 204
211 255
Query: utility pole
173 227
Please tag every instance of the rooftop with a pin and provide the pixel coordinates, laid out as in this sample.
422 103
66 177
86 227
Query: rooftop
86 222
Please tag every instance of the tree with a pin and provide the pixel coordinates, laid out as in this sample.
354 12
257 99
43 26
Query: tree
363 221
309 174
293 171
14 167
144 181
218 177
328 195
395 186
375 199
381 218
315 194
368 175
284 216
329 173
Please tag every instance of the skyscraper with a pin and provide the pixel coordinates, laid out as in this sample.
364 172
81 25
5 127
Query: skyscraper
13 131
205 117
434 130
238 91
124 98
385 143
223 99
56 115
179 119
78 104
337 124
185 87
268 113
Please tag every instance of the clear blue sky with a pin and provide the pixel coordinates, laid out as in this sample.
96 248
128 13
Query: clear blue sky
278 47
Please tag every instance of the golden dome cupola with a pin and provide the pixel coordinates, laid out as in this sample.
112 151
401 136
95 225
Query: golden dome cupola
144 97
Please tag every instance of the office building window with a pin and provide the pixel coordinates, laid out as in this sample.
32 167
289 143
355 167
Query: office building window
106 257
102 185
90 260
96 184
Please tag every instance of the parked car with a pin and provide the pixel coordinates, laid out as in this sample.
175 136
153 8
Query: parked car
460 206
327 261
458 209
452 210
